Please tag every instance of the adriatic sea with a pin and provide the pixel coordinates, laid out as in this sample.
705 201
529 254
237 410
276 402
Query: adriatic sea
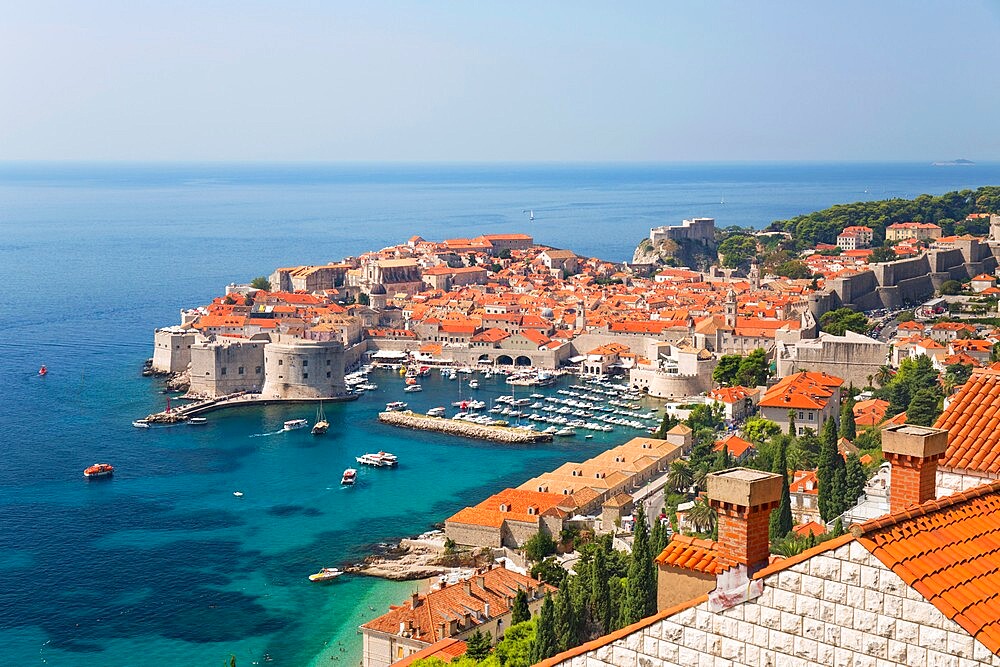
162 564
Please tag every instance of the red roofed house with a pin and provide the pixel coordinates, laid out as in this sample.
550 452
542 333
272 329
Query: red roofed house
803 491
983 282
812 397
737 447
508 518
483 602
902 231
915 587
972 419
869 413
737 403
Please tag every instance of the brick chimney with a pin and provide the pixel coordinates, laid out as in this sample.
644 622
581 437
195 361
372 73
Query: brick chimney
914 452
744 499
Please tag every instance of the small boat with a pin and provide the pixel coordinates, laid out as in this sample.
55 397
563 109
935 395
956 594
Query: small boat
565 432
197 421
412 388
411 380
140 423
395 406
326 574
322 425
238 494
379 460
99 470
473 384
43 370
436 412
293 424
349 477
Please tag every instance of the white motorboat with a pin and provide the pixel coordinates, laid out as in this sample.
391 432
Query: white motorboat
197 421
379 460
473 384
326 574
140 423
410 388
349 477
565 432
436 412
293 424
395 406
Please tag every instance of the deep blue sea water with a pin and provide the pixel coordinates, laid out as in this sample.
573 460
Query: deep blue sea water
162 565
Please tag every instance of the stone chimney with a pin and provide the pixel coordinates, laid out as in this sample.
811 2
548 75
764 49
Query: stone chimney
744 499
467 587
481 582
914 452
414 600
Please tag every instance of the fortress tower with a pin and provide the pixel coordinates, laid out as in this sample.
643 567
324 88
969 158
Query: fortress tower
304 369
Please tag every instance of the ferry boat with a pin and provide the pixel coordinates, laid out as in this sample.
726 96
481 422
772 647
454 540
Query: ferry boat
140 423
326 574
412 388
99 470
293 424
379 460
197 421
349 477
395 406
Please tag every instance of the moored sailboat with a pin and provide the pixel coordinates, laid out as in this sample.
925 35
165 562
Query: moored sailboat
322 425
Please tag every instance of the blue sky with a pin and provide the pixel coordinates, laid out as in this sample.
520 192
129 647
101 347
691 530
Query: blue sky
511 81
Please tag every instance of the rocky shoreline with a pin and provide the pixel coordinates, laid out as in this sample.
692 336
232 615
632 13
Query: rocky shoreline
462 428
419 558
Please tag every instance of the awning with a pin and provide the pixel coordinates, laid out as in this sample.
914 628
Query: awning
389 354
577 359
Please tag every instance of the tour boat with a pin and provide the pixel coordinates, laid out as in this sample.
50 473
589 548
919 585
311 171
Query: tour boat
379 460
43 370
412 388
140 423
395 406
564 432
99 470
293 424
322 425
326 574
349 477
197 421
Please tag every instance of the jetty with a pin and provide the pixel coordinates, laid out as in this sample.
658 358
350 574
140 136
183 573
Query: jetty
463 429
236 400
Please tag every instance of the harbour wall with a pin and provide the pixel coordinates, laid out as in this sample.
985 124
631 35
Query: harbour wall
462 428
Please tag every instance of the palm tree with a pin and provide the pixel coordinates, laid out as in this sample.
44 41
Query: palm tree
702 517
700 475
884 375
680 477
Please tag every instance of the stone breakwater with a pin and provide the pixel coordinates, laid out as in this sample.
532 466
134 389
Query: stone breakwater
462 428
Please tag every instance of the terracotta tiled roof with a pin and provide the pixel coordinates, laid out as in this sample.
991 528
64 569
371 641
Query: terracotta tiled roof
736 445
947 550
445 650
690 553
973 424
811 527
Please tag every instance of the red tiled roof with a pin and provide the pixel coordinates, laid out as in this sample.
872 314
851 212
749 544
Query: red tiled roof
973 424
691 553
445 650
816 529
947 550
736 445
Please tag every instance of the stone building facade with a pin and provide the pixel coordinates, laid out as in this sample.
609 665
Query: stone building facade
226 366
172 349
303 369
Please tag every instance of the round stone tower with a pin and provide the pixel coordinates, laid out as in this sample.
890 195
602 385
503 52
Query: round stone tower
304 369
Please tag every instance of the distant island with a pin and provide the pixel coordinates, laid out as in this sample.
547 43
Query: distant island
954 163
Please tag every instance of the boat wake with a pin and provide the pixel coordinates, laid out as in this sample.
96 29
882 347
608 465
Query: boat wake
264 435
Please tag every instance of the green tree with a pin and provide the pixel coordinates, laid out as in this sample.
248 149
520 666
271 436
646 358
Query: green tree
882 254
548 570
478 645
855 478
516 649
364 299
780 522
680 478
950 288
754 369
600 593
640 586
923 408
705 416
737 250
957 374
565 624
546 642
840 320
791 422
884 375
261 282
657 537
830 472
793 269
726 370
520 612
849 428
669 421
539 546
702 517
759 430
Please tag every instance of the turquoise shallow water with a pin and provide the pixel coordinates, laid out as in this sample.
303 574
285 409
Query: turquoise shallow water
162 565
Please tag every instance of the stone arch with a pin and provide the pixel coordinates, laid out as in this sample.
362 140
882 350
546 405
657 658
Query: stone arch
505 360
483 359
522 360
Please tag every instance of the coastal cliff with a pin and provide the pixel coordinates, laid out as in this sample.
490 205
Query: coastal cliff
670 252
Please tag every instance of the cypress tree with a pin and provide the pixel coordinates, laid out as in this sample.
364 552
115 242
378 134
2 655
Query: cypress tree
640 586
477 645
854 481
791 422
830 473
780 522
520 613
600 593
564 619
848 427
546 644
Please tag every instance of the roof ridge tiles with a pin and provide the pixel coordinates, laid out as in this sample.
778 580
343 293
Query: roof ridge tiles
924 509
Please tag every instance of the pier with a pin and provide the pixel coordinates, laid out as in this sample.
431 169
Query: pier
462 428
237 400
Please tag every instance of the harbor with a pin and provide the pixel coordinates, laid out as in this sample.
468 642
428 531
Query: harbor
464 429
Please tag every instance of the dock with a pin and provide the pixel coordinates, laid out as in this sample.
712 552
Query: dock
463 429
239 400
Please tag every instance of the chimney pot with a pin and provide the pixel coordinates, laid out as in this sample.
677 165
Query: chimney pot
913 452
467 586
414 600
481 582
